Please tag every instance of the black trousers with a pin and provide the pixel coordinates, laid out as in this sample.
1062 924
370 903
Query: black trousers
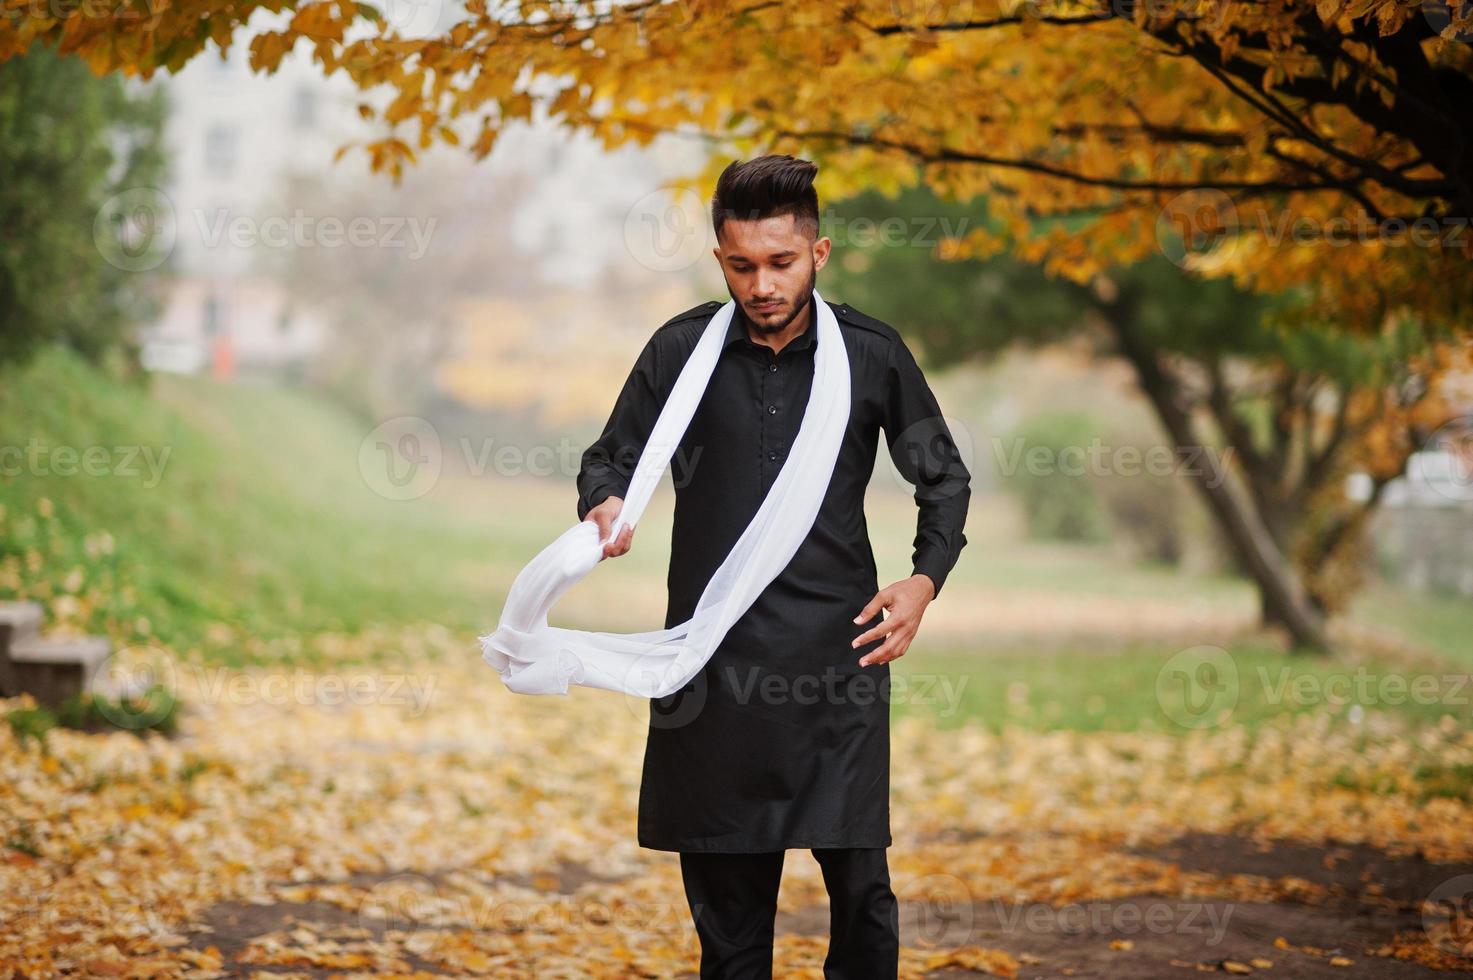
733 903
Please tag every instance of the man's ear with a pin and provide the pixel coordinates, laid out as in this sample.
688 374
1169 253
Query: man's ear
821 252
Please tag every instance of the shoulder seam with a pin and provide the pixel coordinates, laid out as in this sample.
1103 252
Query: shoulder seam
864 321
703 310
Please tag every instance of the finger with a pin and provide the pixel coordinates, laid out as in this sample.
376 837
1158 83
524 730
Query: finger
891 649
620 544
601 520
887 627
605 547
872 607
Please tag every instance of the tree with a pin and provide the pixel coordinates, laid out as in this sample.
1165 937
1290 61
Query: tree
1298 130
1283 416
70 145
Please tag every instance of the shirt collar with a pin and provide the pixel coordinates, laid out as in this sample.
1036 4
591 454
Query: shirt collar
737 330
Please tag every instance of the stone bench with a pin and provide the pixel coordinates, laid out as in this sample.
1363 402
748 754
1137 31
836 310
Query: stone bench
49 668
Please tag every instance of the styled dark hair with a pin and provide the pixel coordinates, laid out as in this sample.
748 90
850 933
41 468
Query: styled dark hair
765 187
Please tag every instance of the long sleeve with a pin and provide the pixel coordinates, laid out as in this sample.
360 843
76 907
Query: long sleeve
925 454
608 464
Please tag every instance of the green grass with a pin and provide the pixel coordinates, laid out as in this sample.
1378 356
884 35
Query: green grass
1126 688
1441 623
263 525
258 517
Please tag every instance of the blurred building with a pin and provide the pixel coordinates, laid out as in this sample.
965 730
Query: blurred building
234 139
586 224
1423 528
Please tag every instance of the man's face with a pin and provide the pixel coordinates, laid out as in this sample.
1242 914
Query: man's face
770 268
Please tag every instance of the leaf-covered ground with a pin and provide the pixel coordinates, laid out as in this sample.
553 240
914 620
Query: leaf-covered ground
418 822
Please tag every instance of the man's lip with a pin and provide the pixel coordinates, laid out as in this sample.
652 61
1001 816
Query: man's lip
765 306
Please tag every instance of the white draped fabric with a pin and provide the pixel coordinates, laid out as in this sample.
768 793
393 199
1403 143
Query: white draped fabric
536 658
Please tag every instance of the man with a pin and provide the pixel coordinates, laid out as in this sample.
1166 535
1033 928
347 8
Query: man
783 739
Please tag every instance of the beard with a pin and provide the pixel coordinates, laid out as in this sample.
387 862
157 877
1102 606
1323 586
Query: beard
771 327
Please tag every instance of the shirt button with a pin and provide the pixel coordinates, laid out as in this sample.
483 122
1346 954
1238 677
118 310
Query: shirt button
771 409
772 367
772 455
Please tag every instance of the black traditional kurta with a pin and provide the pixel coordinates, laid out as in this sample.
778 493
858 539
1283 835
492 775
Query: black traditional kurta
783 740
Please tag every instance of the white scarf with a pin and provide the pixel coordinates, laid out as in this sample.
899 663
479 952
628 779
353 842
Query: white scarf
535 658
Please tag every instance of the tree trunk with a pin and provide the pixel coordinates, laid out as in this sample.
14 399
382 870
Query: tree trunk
1282 597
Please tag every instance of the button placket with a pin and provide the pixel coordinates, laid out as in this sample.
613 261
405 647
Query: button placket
770 397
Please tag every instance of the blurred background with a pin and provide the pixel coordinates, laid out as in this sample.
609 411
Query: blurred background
264 409
326 404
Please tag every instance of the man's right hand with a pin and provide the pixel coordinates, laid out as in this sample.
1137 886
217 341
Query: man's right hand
604 516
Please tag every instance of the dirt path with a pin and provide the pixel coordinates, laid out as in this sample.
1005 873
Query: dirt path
1358 915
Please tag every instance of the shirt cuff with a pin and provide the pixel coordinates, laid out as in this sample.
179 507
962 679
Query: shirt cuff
595 497
934 567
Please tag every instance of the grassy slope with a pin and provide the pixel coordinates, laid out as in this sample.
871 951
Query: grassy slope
260 520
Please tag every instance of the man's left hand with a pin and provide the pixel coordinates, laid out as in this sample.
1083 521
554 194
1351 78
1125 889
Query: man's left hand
906 601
